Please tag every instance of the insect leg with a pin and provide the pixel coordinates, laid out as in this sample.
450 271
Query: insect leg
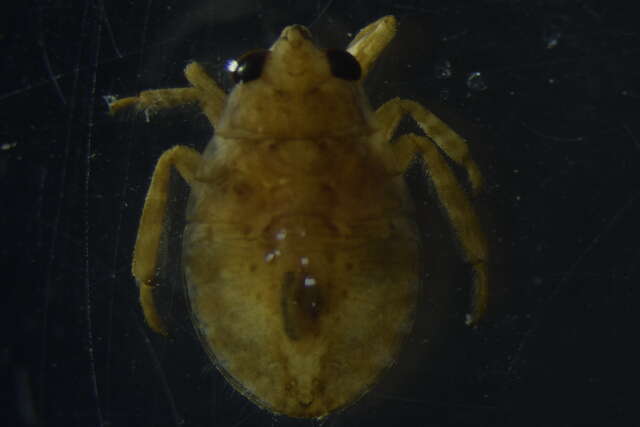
459 210
452 144
186 161
212 98
157 99
367 45
205 92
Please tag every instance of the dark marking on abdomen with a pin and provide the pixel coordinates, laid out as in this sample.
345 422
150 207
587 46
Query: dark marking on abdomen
301 303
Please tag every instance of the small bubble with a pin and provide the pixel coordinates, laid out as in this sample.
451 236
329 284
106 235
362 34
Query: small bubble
281 235
304 260
476 82
442 69
552 40
269 257
468 319
309 282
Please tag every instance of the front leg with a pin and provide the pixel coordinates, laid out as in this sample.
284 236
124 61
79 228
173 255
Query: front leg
398 156
187 161
205 93
367 45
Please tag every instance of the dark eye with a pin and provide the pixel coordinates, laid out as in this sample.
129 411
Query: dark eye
248 67
343 64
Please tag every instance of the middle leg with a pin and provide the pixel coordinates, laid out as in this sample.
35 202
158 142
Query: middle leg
205 93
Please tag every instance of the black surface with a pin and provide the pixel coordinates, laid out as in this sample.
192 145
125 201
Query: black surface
547 92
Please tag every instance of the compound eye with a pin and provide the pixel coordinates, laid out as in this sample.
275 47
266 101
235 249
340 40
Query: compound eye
248 67
343 65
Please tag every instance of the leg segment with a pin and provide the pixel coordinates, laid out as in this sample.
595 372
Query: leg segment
458 208
367 45
452 144
186 161
205 92
463 218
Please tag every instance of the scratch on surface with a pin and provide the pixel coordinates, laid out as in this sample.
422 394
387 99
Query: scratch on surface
551 137
322 12
52 77
29 87
564 280
55 232
627 129
87 241
163 379
107 24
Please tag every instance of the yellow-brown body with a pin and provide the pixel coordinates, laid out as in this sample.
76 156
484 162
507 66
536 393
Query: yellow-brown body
300 252
302 270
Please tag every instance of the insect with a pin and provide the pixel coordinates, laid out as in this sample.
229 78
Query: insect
300 253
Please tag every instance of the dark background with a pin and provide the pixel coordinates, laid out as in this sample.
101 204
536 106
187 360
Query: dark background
547 93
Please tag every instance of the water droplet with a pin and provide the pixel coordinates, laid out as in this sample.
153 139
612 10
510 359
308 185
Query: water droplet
551 39
442 69
476 82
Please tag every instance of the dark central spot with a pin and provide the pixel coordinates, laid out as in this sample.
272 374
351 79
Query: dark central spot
301 302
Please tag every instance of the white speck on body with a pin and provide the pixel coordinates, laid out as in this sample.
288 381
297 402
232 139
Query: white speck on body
309 282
